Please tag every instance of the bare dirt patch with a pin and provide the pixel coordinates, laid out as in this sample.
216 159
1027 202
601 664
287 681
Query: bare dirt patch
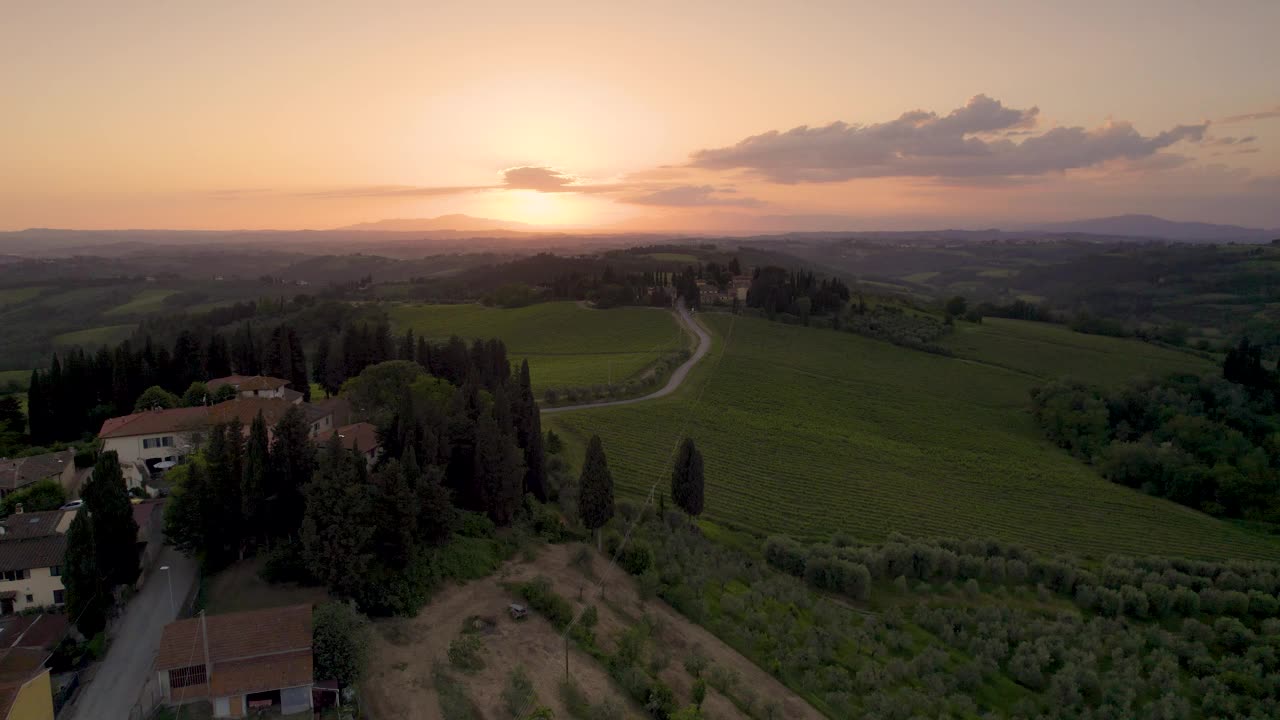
400 685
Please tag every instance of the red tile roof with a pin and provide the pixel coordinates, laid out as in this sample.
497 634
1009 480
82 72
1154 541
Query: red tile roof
153 422
236 637
247 382
43 630
363 435
17 667
18 472
262 674
145 512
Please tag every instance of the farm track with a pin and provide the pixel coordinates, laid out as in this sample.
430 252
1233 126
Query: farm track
704 346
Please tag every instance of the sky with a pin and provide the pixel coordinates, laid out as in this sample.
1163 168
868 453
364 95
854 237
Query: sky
638 116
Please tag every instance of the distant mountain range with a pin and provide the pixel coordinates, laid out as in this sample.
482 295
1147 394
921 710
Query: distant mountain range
456 222
1150 226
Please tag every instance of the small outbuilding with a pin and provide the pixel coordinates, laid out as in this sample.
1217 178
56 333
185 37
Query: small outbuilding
239 661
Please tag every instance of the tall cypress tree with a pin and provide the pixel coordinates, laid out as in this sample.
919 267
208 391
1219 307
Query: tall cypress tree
595 489
687 483
217 357
408 348
320 366
87 599
529 435
395 515
115 534
37 409
188 361
336 530
292 462
253 483
497 467
297 366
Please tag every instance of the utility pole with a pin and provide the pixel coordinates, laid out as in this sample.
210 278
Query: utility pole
566 657
208 671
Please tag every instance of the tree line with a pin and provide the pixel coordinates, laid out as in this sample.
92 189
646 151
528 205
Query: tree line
79 390
1209 443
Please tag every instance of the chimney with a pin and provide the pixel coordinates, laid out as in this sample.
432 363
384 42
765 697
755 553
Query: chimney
17 509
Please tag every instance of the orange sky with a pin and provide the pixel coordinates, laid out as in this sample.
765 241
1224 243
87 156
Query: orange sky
664 115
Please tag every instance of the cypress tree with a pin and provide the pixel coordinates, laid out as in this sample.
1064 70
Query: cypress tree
37 410
595 489
86 597
687 484
115 534
187 514
217 357
408 347
498 469
292 464
320 366
395 515
529 434
297 366
336 529
188 362
253 483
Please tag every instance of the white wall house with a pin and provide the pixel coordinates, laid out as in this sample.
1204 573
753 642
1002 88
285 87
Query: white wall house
32 549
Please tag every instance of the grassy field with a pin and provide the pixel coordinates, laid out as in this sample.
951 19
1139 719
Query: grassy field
147 301
13 296
18 377
1050 351
565 344
810 432
93 337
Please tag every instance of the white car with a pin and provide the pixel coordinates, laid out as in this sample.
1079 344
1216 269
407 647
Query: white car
73 505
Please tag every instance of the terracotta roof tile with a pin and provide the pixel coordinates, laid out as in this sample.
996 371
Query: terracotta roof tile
268 673
17 666
18 472
42 630
30 553
31 524
152 422
237 636
262 382
363 435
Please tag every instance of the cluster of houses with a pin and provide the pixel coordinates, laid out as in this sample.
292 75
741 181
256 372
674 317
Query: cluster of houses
735 290
152 441
242 661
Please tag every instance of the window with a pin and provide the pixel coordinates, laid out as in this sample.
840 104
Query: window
167 441
30 598
148 443
58 597
55 571
16 574
187 676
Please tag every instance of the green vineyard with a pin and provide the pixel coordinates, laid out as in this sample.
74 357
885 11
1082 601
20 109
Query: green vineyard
812 432
566 344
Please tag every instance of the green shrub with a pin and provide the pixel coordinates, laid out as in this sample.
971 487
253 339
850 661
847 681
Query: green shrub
574 700
468 558
660 701
539 595
636 557
97 647
518 694
785 554
284 563
475 525
465 653
340 639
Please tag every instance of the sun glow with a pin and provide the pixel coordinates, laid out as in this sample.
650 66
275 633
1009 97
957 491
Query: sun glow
539 208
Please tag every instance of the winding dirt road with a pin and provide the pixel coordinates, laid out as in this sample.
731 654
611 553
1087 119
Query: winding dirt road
677 377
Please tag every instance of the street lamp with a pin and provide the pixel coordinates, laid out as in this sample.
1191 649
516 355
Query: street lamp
169 576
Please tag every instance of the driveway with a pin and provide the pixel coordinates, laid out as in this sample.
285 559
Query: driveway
677 377
135 637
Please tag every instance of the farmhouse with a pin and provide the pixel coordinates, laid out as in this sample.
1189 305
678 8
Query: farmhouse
151 441
257 386
239 661
18 473
362 436
32 548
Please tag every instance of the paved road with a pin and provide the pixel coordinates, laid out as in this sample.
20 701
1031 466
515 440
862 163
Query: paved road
135 637
677 377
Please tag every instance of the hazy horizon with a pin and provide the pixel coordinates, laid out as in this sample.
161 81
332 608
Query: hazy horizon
600 119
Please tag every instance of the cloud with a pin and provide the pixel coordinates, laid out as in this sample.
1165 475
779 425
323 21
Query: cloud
1230 140
541 179
382 191
924 144
1249 117
693 196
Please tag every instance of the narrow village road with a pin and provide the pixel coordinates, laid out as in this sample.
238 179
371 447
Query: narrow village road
135 638
677 377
